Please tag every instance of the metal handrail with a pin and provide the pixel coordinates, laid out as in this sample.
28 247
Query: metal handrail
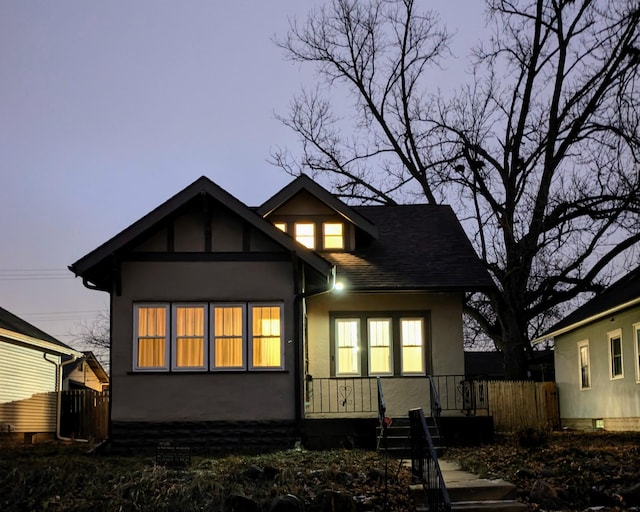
436 406
424 463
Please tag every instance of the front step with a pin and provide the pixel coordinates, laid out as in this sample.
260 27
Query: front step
483 506
481 490
398 445
487 497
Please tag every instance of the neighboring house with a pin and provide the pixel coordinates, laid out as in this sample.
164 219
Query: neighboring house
597 359
31 364
85 373
228 327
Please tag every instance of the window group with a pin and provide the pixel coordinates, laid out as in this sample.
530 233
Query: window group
305 234
208 337
378 345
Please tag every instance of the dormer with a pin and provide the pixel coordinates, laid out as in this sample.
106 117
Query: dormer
316 218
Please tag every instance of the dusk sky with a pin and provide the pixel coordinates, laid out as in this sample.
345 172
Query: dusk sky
108 108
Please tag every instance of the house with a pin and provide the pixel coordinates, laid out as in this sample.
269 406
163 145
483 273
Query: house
229 327
31 367
85 373
597 359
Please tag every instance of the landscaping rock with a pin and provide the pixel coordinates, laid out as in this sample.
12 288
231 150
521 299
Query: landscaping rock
287 503
543 494
631 495
236 503
334 501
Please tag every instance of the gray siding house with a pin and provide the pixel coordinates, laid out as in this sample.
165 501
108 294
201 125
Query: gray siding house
597 359
237 326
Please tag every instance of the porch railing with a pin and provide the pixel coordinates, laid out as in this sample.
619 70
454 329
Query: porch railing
424 463
459 393
341 395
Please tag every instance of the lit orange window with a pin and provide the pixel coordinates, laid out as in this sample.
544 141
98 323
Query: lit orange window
332 235
305 233
228 338
151 337
266 336
282 226
189 337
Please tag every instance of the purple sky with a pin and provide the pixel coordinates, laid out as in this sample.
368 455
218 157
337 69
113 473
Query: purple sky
109 108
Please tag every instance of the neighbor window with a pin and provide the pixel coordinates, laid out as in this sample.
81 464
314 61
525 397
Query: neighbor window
208 336
584 365
305 233
151 343
615 353
347 332
379 333
372 344
412 338
189 337
636 343
332 235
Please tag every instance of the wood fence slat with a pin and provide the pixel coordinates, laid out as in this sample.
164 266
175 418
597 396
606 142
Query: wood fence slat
85 414
516 405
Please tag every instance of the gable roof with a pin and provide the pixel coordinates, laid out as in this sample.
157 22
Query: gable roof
202 186
17 329
620 295
419 247
303 182
94 364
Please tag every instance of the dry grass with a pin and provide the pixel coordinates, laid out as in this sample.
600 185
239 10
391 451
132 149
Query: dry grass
65 478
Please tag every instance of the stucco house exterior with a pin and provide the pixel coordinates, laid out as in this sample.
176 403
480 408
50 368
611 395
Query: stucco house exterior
597 359
228 323
31 367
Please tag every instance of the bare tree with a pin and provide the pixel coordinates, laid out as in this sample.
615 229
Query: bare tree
95 335
538 154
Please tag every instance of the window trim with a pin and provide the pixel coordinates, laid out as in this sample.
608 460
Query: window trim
580 345
612 335
390 345
174 337
212 337
313 234
167 337
250 337
357 347
424 344
636 344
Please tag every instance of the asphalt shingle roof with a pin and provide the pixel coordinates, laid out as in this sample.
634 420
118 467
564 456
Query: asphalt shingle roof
419 247
14 323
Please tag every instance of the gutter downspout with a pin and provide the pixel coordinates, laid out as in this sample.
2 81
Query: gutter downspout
59 372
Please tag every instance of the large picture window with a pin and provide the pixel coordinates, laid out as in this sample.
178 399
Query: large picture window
208 337
615 354
378 345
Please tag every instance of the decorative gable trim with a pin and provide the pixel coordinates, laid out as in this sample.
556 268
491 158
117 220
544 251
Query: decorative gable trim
303 182
203 186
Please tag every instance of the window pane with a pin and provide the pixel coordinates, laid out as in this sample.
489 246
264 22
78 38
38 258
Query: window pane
305 234
282 226
266 336
152 337
585 381
379 346
412 338
347 343
189 336
228 337
333 238
616 356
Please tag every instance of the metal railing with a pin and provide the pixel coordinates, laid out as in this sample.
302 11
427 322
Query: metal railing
424 463
458 393
341 395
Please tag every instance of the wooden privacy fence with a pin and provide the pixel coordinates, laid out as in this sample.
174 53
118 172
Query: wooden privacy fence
516 405
85 414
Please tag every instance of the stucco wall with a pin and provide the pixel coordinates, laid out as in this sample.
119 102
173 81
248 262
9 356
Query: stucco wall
206 396
443 333
608 398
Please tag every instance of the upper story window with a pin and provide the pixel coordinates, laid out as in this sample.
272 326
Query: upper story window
209 336
305 233
282 226
615 354
332 235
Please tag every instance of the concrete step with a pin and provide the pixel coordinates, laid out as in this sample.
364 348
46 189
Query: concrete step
481 489
483 506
